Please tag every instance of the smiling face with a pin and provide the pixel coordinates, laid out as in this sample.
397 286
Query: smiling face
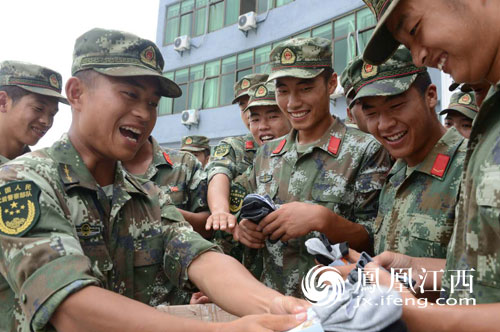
405 124
115 116
445 34
268 123
29 118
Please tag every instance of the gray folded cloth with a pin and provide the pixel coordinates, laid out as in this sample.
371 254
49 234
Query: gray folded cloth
361 308
332 252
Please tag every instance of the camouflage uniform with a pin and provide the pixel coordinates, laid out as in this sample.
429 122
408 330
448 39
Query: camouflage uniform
60 231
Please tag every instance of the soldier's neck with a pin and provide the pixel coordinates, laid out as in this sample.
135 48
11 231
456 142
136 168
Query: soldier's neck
139 165
310 135
11 148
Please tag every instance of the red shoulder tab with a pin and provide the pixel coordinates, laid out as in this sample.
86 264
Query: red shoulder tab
280 146
167 158
440 165
248 145
333 145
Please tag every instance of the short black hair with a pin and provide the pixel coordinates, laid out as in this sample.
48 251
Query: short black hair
327 73
422 82
14 92
87 76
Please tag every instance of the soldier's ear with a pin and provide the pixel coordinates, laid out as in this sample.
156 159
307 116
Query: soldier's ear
332 83
4 101
431 96
74 91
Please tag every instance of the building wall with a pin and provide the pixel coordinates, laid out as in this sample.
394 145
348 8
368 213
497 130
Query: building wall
217 123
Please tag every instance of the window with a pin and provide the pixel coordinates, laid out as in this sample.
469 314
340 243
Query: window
344 44
216 20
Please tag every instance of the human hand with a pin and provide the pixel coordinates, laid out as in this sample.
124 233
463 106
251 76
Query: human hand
288 305
224 221
246 233
199 298
263 323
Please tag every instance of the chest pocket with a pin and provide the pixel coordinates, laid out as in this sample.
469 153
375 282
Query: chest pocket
328 195
177 194
429 237
95 248
148 258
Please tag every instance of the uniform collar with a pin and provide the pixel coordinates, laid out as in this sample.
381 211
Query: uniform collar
330 142
73 172
438 160
250 143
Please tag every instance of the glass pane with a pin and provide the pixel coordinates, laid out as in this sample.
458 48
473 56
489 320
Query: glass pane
181 76
243 73
363 39
186 21
262 54
186 6
232 11
344 26
200 21
173 10
324 31
169 75
165 106
262 5
212 68
278 42
200 3
263 69
229 64
196 72
226 89
305 34
366 19
216 20
245 59
211 92
180 102
195 94
282 2
342 54
172 30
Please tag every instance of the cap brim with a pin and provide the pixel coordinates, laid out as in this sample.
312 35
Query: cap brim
295 72
261 103
192 149
45 92
385 87
235 100
168 88
460 109
382 44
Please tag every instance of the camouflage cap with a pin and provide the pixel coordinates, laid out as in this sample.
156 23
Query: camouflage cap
301 58
464 103
262 95
33 78
121 54
242 86
346 79
194 143
382 44
391 78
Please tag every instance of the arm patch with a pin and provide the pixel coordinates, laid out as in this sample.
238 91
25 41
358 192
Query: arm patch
19 207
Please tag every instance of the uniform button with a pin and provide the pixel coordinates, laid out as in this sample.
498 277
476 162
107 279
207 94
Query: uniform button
24 298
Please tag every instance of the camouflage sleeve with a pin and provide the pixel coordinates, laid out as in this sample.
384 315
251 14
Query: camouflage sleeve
182 246
197 187
371 176
45 259
222 161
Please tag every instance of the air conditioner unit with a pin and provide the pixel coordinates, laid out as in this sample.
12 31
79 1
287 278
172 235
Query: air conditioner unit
190 117
182 43
247 21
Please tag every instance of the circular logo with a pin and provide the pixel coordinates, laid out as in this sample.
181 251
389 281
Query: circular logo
287 57
53 81
149 55
465 99
189 140
369 71
245 84
261 91
323 285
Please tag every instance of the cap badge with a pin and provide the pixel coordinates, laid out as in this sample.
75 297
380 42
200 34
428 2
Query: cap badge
261 91
54 82
189 140
245 84
148 56
465 100
368 71
288 57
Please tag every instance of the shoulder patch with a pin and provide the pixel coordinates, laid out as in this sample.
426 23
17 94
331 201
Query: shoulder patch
249 145
221 150
236 197
333 145
440 165
19 207
280 146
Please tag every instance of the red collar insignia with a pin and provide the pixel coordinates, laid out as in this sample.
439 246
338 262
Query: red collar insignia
333 145
440 165
167 158
249 145
280 146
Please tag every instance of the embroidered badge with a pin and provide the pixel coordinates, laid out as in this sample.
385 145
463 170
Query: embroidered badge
440 165
236 196
368 71
265 178
288 57
20 209
189 141
465 99
221 150
86 230
261 91
148 56
54 82
245 84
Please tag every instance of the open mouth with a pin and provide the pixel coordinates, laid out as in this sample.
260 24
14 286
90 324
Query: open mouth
130 133
298 115
397 137
266 138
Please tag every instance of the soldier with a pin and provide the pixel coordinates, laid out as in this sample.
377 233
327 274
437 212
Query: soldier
29 97
197 145
323 173
230 158
429 29
355 117
480 90
461 112
82 242
400 113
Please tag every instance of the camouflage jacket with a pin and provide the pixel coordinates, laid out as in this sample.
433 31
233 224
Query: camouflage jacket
417 211
232 156
475 243
66 234
3 160
344 171
180 176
